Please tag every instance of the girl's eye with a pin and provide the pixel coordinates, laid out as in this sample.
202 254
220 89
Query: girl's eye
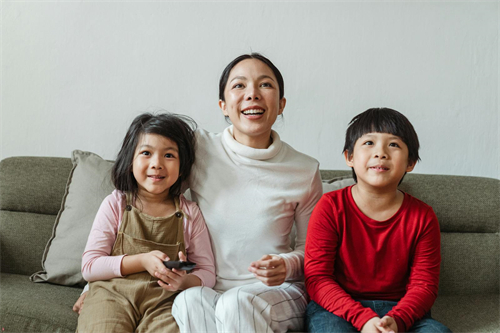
368 143
168 155
394 144
145 153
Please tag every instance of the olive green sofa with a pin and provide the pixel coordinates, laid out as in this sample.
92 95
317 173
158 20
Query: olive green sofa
32 189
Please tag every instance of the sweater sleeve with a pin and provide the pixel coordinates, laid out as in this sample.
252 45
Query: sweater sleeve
320 254
97 264
422 287
198 245
294 260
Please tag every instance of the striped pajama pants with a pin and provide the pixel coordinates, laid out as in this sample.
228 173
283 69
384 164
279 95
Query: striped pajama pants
250 308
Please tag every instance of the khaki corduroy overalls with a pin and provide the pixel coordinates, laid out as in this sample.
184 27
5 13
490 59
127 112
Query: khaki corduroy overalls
136 303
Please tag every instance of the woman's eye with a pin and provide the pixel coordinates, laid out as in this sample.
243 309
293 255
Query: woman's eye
237 86
266 85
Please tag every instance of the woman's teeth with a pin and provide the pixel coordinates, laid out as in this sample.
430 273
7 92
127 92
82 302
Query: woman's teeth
253 111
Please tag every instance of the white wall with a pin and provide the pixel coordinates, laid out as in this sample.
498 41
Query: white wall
74 74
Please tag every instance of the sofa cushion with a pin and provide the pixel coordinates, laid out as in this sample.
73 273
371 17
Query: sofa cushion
36 307
24 190
22 240
471 313
88 184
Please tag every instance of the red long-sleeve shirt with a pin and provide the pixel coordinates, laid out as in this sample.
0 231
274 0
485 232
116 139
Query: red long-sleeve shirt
349 256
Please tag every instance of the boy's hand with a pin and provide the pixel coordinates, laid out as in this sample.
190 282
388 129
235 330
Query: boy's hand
172 280
371 326
387 325
153 262
270 269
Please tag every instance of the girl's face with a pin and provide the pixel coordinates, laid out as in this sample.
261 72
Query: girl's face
252 102
156 165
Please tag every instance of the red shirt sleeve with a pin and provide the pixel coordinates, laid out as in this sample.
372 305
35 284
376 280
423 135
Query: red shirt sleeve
422 287
322 243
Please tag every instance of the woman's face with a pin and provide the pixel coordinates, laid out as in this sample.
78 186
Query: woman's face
252 102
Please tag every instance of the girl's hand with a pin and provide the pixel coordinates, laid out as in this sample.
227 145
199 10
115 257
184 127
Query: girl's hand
79 303
173 280
270 269
153 262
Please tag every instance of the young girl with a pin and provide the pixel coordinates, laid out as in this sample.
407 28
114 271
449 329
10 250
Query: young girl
142 223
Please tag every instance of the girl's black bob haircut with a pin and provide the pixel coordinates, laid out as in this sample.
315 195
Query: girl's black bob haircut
382 120
178 128
225 73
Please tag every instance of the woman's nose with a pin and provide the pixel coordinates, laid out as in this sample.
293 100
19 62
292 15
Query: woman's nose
252 94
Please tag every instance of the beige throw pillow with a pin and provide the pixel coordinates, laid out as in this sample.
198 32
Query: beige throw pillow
88 184
337 183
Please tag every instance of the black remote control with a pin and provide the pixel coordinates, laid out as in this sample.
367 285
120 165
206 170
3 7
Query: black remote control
180 265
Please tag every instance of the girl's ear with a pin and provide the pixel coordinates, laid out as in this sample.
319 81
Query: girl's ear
348 159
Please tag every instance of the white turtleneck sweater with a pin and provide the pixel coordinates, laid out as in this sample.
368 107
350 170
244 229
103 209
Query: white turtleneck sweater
250 199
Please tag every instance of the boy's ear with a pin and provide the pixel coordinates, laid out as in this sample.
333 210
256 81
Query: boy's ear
348 159
410 166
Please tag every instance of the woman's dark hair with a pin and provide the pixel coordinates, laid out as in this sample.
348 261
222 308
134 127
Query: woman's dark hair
225 73
382 120
178 128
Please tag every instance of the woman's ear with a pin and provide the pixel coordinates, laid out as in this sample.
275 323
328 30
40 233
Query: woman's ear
348 159
282 105
222 106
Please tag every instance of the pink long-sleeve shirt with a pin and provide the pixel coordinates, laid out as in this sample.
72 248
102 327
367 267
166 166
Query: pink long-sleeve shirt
97 264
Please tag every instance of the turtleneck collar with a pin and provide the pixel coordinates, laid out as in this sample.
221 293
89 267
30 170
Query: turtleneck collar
249 152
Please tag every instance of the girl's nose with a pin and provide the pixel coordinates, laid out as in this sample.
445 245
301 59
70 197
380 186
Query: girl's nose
156 163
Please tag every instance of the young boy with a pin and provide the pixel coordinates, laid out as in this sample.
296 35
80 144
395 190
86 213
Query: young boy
373 252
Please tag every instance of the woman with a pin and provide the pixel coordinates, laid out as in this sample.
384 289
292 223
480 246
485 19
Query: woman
251 187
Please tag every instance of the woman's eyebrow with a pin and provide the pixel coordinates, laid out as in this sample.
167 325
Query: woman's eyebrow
244 78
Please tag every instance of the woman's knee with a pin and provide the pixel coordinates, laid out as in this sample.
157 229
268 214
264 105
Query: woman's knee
189 299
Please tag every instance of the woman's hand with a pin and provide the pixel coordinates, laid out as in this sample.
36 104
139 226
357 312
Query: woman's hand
270 269
79 303
177 279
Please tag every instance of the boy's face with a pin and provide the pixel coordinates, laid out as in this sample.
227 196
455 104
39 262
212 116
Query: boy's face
380 160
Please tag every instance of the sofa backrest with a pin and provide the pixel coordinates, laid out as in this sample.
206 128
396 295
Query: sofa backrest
468 209
31 191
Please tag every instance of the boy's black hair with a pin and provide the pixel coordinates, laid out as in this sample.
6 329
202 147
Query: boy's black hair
178 128
382 120
225 73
